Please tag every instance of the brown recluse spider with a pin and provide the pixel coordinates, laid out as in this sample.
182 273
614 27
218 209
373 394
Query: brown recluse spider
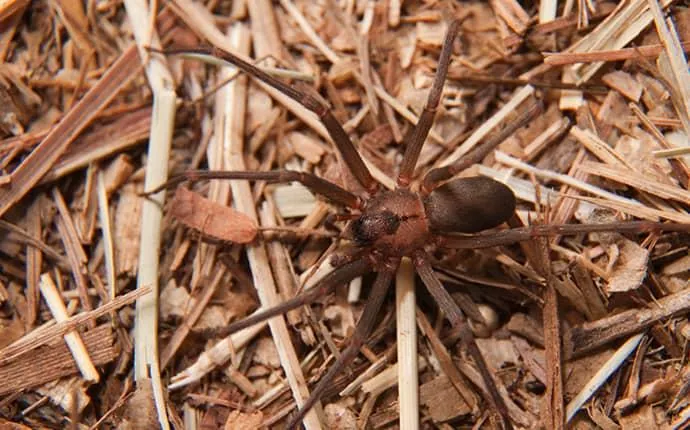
389 225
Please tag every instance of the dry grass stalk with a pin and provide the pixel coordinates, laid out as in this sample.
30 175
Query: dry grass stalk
408 383
73 340
258 258
162 124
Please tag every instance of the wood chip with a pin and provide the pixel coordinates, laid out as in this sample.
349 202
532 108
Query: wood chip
76 115
624 83
51 362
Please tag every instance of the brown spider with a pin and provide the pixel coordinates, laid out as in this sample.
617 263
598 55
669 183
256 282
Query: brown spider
388 225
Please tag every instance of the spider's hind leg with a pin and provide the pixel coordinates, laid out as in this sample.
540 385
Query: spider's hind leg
362 331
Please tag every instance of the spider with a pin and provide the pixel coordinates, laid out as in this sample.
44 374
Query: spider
387 225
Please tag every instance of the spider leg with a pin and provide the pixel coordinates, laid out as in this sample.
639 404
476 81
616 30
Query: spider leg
415 138
440 174
362 331
329 190
339 276
537 253
458 321
312 102
521 234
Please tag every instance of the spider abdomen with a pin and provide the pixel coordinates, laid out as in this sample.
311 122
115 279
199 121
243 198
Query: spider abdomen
469 205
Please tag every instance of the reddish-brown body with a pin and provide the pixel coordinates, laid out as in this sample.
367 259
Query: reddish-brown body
394 223
398 223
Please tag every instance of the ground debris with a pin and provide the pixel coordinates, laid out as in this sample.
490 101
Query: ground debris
86 100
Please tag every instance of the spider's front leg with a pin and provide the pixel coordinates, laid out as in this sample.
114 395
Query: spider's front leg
313 102
329 190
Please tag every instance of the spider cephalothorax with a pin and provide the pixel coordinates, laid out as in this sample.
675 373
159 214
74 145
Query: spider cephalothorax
394 222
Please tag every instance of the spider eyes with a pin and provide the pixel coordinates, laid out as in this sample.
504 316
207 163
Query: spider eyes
469 205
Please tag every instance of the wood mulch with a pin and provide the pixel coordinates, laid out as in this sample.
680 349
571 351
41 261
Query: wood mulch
109 301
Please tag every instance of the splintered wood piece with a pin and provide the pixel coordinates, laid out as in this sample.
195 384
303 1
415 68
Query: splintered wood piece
624 83
442 400
212 219
127 230
591 335
73 339
60 137
52 361
44 335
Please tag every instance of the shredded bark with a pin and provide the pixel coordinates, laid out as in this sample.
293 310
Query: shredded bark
577 328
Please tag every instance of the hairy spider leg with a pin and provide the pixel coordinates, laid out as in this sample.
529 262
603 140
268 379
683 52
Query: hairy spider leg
329 190
364 327
457 320
313 102
440 174
414 140
324 286
522 234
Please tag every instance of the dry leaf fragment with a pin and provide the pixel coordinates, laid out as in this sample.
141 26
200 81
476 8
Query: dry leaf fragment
174 302
642 418
442 400
306 146
341 317
117 172
677 267
340 416
140 411
266 353
240 421
624 83
68 393
406 46
126 228
212 219
213 317
631 267
294 200
431 33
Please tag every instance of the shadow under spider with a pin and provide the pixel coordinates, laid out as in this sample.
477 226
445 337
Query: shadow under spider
388 225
